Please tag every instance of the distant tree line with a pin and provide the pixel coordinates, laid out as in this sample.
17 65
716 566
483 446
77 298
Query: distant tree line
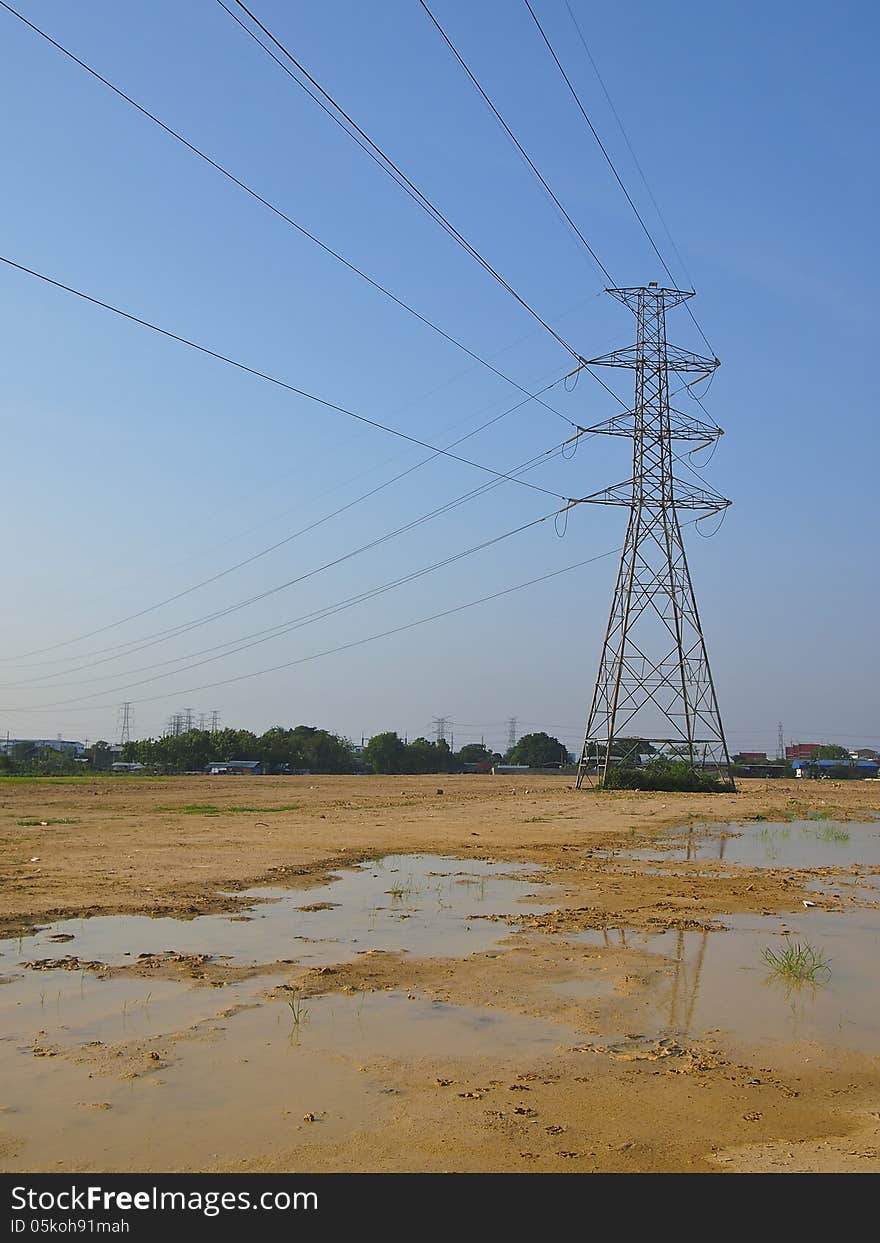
389 753
303 748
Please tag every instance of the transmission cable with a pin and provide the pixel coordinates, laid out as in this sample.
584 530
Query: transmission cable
515 141
277 211
264 375
626 139
132 646
152 608
384 161
611 165
297 623
460 608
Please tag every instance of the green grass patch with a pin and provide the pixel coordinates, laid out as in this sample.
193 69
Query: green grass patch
31 823
193 809
831 833
799 963
265 810
211 809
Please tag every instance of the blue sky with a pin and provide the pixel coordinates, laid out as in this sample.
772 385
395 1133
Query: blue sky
133 468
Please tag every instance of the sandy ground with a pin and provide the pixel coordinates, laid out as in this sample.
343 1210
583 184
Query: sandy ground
610 1096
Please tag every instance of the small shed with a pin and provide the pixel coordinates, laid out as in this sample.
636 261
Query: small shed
252 768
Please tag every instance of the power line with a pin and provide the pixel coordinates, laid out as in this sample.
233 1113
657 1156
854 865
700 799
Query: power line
325 492
384 161
455 52
604 271
225 172
297 623
263 375
370 638
635 158
366 639
265 551
130 648
611 164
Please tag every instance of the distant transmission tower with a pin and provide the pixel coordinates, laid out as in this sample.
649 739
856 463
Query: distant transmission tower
654 680
511 733
441 724
215 721
780 743
125 727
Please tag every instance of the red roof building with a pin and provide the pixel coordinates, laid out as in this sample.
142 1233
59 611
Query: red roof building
801 750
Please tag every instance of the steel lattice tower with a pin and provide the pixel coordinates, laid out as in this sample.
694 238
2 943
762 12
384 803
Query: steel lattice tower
125 727
654 681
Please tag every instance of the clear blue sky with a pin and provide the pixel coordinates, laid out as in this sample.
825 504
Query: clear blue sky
133 468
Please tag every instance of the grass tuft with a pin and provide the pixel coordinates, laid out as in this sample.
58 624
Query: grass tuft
831 833
31 823
298 1011
798 963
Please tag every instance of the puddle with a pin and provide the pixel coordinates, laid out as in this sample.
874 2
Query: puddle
717 981
255 1082
235 1073
417 903
798 844
70 1008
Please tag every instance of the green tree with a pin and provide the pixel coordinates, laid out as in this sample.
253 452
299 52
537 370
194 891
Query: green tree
278 750
831 751
423 756
386 753
475 753
539 751
100 756
321 751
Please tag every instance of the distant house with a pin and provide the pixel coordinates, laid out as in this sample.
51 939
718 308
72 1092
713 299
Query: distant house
751 757
801 750
846 769
65 746
120 766
511 768
253 768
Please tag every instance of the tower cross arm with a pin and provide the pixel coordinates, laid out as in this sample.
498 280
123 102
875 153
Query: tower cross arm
633 491
676 359
681 427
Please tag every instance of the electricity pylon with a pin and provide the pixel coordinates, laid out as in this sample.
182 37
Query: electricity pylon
654 682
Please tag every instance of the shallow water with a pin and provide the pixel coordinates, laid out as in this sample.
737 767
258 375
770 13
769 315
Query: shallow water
415 903
233 1071
70 1008
718 981
796 844
245 1083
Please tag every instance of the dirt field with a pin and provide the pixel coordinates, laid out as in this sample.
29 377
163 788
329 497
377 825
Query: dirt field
549 1047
